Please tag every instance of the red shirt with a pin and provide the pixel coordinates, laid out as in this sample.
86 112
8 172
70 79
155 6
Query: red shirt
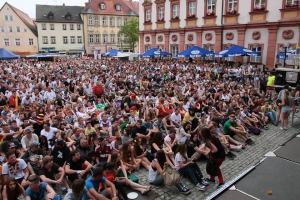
102 153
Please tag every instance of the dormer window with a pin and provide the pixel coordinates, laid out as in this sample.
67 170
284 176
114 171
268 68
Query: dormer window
50 15
68 16
102 6
118 7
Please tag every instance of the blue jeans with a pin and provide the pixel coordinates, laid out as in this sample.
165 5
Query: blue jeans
271 115
192 171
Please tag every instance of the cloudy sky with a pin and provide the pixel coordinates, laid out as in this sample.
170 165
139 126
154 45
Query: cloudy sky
29 6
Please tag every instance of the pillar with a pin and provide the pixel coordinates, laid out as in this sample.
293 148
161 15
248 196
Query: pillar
142 44
153 40
167 42
199 38
218 35
272 37
181 41
240 41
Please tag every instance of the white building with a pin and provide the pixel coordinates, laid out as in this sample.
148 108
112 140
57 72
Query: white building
60 29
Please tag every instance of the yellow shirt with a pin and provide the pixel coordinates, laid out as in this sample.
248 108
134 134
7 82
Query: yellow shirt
271 80
187 115
88 131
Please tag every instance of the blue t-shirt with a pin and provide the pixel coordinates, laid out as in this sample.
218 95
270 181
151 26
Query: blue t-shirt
89 184
41 195
148 126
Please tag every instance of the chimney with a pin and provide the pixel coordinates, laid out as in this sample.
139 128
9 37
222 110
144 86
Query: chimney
63 4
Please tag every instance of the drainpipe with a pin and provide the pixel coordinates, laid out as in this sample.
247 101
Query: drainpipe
222 25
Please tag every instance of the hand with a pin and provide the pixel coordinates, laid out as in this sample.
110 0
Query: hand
166 165
81 174
115 198
59 182
191 162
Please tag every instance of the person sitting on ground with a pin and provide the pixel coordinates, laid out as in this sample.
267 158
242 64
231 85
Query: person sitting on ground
139 152
28 138
128 159
194 147
52 173
93 182
156 170
39 190
187 167
102 152
78 190
12 190
77 167
33 157
19 172
269 112
60 153
86 152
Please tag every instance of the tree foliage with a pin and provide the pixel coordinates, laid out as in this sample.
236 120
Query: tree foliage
130 31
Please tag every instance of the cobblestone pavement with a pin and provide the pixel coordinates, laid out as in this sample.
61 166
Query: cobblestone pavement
269 140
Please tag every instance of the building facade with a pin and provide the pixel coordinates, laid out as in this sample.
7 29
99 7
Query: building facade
102 20
18 32
262 25
60 29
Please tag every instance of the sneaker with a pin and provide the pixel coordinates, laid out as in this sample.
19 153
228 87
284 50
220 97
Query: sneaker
249 141
229 156
266 128
285 128
185 191
209 180
239 147
281 128
233 155
220 185
201 187
204 182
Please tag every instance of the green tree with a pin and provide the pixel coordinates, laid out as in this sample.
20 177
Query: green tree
130 31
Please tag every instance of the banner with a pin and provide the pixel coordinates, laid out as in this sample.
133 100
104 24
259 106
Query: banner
97 54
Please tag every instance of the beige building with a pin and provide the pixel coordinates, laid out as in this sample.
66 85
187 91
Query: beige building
60 29
18 32
102 20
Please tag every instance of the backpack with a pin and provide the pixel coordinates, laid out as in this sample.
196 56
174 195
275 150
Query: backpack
254 130
34 160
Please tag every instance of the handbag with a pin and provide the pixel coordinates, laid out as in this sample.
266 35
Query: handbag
171 176
212 167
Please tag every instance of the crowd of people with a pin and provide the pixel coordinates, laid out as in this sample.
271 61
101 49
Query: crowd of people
87 125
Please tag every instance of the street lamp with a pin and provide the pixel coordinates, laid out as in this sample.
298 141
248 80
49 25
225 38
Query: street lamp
285 48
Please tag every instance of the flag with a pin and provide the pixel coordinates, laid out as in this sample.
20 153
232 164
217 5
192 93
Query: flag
100 106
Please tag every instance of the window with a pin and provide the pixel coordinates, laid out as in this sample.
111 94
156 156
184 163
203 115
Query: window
174 50
18 29
71 26
11 18
25 30
104 22
91 38
78 26
292 3
6 17
10 29
259 3
119 38
104 38
51 26
44 27
232 4
119 21
192 8
112 38
90 20
68 16
125 20
209 48
97 38
72 38
65 39
211 6
45 40
102 6
64 26
112 21
2 29
79 39
30 42
50 16
97 23
148 15
175 9
255 58
7 8
6 42
161 13
118 7
53 40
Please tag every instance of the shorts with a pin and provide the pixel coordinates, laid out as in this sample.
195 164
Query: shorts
286 109
19 180
231 133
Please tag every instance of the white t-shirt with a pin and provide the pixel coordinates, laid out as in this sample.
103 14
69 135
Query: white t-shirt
179 158
176 118
20 174
49 135
25 142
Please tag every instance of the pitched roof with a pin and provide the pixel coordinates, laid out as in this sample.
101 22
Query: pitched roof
127 6
25 18
59 13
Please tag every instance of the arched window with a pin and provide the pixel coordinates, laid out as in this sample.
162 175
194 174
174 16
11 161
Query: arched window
118 7
102 6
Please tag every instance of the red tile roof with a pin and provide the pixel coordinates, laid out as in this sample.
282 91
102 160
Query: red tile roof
26 19
126 7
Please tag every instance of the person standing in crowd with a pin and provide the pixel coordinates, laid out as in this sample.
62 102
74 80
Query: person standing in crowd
286 108
217 152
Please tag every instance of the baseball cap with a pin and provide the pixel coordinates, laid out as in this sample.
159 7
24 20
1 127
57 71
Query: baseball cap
60 141
28 130
101 139
4 113
12 145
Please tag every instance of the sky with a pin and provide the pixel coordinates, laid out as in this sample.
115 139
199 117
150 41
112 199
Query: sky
29 6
